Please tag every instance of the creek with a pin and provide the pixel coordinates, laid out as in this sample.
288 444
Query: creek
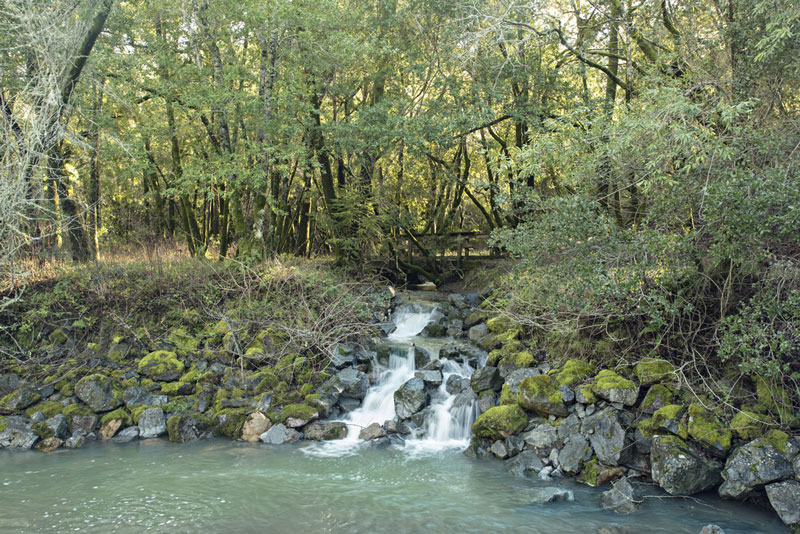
424 484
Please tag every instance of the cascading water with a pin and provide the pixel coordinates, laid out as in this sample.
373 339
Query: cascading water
448 417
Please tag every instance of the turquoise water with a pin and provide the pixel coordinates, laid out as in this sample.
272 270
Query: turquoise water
223 486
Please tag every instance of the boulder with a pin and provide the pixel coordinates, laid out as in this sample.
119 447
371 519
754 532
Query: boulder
657 397
576 451
499 422
297 415
353 382
457 384
138 395
152 423
753 465
16 433
538 394
325 430
548 495
477 332
373 431
434 330
651 371
421 357
431 378
98 392
255 425
127 434
523 464
58 426
279 434
186 428
486 400
541 437
9 383
606 436
620 497
784 498
161 365
610 386
342 356
19 399
680 471
410 398
486 379
462 352
706 429
499 449
49 444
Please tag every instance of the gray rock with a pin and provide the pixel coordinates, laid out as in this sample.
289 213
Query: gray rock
325 430
138 395
620 497
373 431
569 425
548 495
421 357
410 398
348 405
342 356
796 466
542 437
264 403
152 423
76 440
279 434
126 435
433 365
96 391
8 383
487 378
606 436
477 332
499 449
464 399
19 399
431 378
567 393
785 499
462 352
515 378
86 423
456 384
515 445
712 529
751 466
17 433
58 424
575 452
524 463
680 471
486 401
354 383
434 330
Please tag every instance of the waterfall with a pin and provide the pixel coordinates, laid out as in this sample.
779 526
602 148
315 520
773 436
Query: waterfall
446 425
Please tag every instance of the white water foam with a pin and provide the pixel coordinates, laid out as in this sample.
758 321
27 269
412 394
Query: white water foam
446 426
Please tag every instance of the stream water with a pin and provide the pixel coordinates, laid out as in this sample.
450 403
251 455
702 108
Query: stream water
346 486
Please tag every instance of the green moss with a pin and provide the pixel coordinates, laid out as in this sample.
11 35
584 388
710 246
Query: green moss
161 365
608 379
229 422
589 473
42 430
173 428
574 371
185 344
19 399
58 337
500 422
653 370
136 411
298 411
775 399
499 324
497 355
588 394
120 414
648 428
748 425
76 409
777 439
519 359
670 418
191 376
48 408
509 335
507 396
538 389
657 395
175 388
305 389
706 429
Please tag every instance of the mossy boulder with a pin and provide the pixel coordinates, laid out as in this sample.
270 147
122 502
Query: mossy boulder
161 365
188 427
585 395
538 394
507 395
657 397
297 415
176 388
185 344
574 371
705 428
111 422
325 430
499 422
518 359
671 418
774 398
757 463
678 470
749 425
500 324
19 399
99 392
589 473
652 371
612 387
48 408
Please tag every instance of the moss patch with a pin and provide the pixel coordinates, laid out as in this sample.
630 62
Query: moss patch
540 395
589 473
298 411
653 371
161 365
574 371
507 396
657 397
48 408
670 418
706 429
76 409
120 414
500 422
748 425
499 324
777 439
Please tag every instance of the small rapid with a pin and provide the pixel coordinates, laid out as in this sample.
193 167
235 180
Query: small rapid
448 417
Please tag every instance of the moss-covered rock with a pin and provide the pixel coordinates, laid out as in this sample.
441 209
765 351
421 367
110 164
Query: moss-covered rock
499 422
499 324
774 398
76 409
111 422
507 395
176 388
540 395
705 428
19 399
585 395
161 365
670 418
749 425
574 371
48 408
299 413
657 397
99 392
518 359
652 371
185 344
614 388
191 376
229 422
589 473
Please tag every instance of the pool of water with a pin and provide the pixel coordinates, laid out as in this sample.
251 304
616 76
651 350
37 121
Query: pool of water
224 486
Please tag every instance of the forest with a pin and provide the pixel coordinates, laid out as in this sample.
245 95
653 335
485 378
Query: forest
635 161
